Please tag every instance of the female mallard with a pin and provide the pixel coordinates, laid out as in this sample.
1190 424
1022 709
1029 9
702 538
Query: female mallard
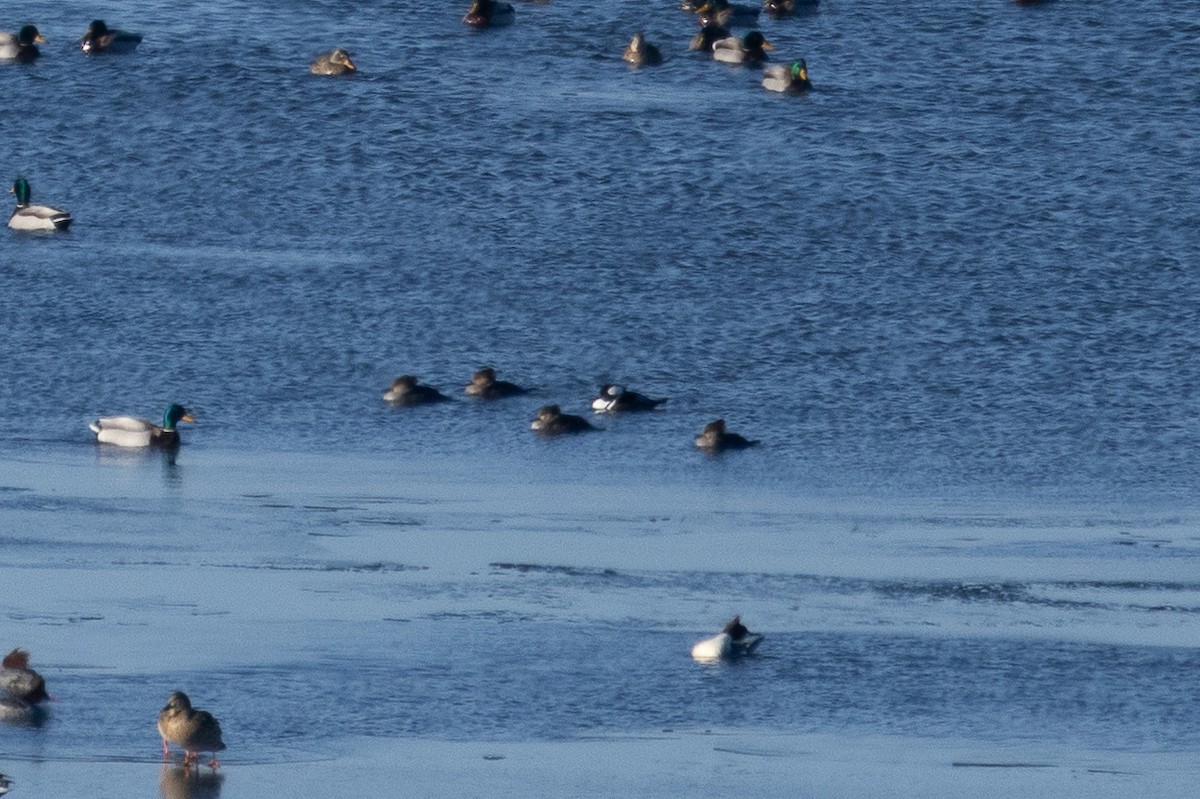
484 385
405 390
99 38
19 682
733 641
23 46
750 49
130 431
792 79
641 53
489 14
722 12
35 217
193 731
335 62
616 399
551 421
713 438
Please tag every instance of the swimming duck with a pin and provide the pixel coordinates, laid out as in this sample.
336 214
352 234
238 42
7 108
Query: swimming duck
99 38
751 49
792 79
406 390
733 641
18 681
777 9
335 62
22 46
130 431
193 731
484 385
615 399
551 421
489 14
35 217
641 53
713 438
708 35
5 784
725 13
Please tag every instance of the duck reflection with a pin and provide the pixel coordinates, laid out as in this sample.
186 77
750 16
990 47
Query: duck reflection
178 782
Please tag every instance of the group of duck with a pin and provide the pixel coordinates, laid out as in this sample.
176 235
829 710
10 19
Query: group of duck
716 19
23 690
407 390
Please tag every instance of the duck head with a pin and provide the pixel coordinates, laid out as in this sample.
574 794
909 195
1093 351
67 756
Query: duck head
21 189
174 415
340 56
799 71
29 35
756 42
178 702
484 376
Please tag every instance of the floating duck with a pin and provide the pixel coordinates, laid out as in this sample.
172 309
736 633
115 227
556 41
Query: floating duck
615 399
713 438
484 385
641 53
727 14
489 14
551 421
19 682
335 62
777 9
5 784
750 49
131 431
21 47
733 641
193 731
35 217
405 390
708 35
99 38
791 79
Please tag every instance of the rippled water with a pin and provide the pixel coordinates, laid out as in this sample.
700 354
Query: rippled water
952 289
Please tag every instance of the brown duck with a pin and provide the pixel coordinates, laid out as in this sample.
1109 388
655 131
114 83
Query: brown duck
193 731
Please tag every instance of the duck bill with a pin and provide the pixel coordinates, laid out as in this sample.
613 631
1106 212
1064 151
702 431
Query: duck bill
767 45
40 39
187 417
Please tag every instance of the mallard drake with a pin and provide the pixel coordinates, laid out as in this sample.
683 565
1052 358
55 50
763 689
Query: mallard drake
777 9
722 12
193 731
35 217
484 385
99 38
335 62
130 431
713 438
489 14
750 49
616 399
23 46
733 641
405 390
641 53
792 78
551 421
18 681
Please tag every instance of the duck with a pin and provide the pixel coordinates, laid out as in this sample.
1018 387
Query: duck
709 34
489 14
778 9
336 62
35 217
617 399
551 421
406 390
640 53
5 784
791 79
193 731
725 13
750 49
99 38
133 432
23 46
19 682
713 438
484 385
734 641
